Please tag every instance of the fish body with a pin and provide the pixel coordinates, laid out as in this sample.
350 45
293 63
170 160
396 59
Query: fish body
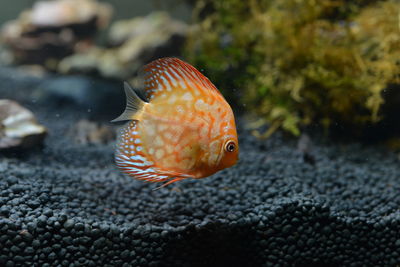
185 130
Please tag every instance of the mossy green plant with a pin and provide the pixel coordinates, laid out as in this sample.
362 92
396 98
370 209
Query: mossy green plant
300 62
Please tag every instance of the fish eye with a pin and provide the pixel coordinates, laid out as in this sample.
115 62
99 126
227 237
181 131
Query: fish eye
230 146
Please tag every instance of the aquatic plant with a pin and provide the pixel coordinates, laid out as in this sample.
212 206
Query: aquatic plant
301 62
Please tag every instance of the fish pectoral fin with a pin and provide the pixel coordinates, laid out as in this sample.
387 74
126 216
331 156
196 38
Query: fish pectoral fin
133 104
173 174
169 182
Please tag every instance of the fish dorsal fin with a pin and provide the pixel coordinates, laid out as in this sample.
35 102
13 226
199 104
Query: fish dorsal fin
133 104
166 75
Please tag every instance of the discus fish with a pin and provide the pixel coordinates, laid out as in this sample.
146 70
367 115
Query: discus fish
184 129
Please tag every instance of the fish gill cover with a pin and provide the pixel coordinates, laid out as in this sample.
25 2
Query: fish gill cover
302 62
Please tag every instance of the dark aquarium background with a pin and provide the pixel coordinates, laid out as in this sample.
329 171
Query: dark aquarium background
315 89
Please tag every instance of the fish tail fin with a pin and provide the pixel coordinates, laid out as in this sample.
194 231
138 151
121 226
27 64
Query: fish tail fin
133 104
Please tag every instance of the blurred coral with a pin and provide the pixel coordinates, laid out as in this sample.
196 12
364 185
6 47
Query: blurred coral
300 62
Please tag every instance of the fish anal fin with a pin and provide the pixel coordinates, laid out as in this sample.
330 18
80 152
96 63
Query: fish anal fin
133 104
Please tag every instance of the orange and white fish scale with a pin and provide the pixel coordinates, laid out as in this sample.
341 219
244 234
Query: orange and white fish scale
182 131
131 157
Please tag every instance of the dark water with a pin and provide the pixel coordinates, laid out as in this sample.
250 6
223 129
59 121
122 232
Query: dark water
122 8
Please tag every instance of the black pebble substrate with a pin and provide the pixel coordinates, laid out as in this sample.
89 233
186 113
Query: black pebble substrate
66 204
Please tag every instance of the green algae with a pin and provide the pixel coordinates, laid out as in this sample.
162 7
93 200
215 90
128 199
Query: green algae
301 62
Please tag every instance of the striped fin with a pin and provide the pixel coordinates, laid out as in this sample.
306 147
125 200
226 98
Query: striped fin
166 75
132 160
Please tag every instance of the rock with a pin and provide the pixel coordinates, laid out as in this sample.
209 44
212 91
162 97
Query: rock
134 43
304 146
154 24
68 12
6 57
54 29
18 126
89 132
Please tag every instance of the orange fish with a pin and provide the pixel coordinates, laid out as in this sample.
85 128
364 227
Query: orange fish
185 129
